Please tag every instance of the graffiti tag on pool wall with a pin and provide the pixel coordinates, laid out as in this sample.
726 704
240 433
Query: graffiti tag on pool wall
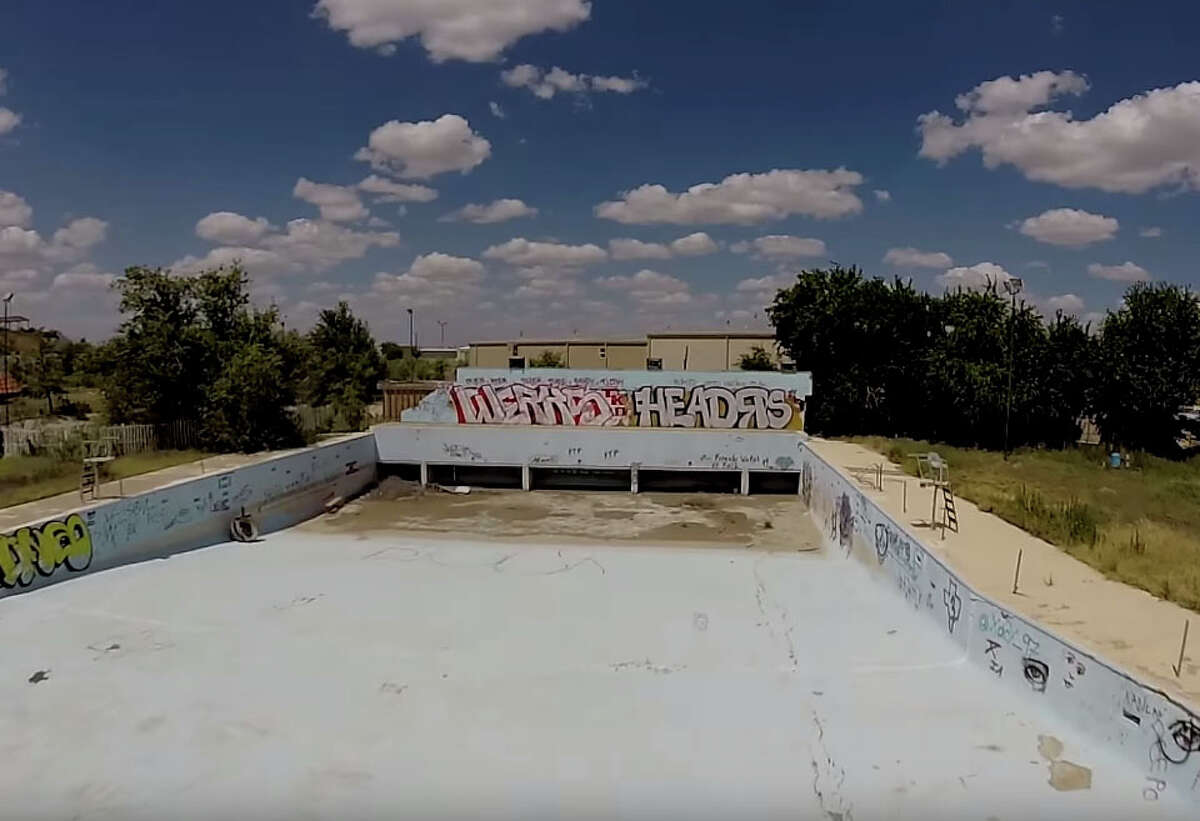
648 406
40 550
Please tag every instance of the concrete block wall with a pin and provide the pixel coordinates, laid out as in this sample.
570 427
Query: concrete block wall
278 493
1156 733
601 448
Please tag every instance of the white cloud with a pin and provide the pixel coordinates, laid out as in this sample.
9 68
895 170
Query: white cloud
883 195
17 241
523 253
1069 227
650 288
496 110
765 287
541 282
1151 232
229 228
498 211
9 120
318 245
781 246
741 199
636 249
618 85
389 191
473 30
73 240
975 276
545 84
83 277
694 245
338 203
1125 272
256 261
915 258
1069 304
1142 142
424 149
14 210
432 279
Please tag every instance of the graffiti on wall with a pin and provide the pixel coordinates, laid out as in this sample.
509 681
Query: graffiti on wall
42 549
648 406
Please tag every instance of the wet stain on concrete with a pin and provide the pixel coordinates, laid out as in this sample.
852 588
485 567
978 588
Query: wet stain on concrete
1064 775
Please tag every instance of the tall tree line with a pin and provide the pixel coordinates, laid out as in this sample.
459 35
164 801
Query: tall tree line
195 348
889 359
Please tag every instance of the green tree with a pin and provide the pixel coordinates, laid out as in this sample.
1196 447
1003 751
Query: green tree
420 368
1065 381
156 362
758 359
864 340
248 420
346 366
1149 367
547 359
194 348
42 370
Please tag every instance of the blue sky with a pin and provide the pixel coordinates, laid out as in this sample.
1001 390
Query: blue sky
334 146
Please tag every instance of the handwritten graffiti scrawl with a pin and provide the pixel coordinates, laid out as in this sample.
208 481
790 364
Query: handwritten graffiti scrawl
43 549
649 406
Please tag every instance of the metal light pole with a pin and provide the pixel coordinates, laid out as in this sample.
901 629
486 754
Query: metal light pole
7 299
410 330
1013 287
442 325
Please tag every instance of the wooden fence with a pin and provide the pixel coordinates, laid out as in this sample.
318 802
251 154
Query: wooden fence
65 441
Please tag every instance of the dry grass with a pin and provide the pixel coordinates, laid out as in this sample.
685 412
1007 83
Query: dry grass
1140 526
27 478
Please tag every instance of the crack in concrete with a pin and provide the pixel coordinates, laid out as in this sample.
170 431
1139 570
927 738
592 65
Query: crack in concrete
835 806
766 602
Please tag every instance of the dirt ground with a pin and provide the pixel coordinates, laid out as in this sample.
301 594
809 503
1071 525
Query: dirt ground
774 523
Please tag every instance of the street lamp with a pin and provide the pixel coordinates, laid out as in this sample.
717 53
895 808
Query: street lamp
1012 286
7 299
442 325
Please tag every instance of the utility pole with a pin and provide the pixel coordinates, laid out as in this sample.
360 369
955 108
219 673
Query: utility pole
411 336
7 395
442 325
1013 287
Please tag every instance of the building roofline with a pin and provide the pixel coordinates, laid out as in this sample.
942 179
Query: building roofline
640 340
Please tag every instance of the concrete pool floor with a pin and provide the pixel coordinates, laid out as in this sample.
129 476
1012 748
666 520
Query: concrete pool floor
329 672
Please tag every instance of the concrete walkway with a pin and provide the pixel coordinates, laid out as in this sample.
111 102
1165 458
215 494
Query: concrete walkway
17 515
1138 631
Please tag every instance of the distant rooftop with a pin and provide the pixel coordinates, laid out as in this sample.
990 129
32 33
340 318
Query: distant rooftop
632 340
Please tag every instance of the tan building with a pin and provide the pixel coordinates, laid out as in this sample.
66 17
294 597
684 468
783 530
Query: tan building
672 351
708 350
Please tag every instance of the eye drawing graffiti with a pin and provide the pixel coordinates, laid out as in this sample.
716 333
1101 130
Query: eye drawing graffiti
1185 738
1075 670
881 542
1037 673
953 603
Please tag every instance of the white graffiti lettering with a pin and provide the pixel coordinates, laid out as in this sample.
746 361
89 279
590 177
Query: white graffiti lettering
650 406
